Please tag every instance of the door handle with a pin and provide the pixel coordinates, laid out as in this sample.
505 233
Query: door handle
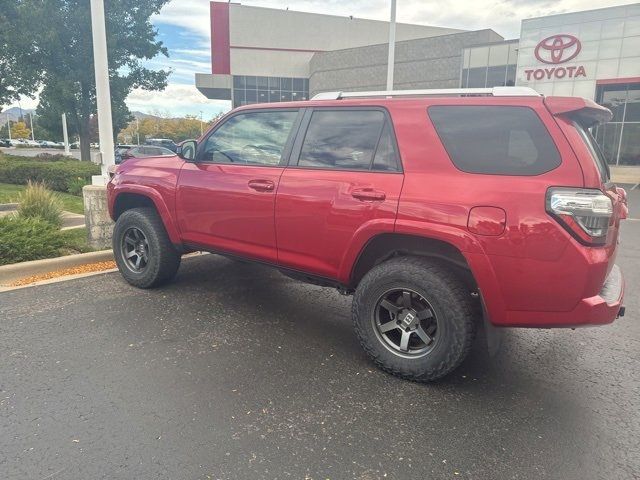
369 194
262 185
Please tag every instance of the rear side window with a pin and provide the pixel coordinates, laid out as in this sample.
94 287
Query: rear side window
348 140
495 140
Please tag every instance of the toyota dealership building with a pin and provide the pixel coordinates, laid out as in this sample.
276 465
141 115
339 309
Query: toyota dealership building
270 55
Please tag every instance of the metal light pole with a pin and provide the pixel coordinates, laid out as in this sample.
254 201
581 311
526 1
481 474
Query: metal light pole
9 126
103 92
138 129
201 129
392 46
31 120
65 135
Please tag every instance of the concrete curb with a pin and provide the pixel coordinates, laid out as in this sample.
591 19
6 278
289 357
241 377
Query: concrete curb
8 207
17 271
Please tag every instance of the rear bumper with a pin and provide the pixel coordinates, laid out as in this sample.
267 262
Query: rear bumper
600 309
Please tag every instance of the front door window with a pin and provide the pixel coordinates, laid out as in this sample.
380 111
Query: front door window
255 138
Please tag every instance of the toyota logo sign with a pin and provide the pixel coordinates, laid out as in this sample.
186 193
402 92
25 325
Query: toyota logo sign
558 49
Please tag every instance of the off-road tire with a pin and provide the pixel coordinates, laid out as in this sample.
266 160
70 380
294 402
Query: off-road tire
164 259
451 301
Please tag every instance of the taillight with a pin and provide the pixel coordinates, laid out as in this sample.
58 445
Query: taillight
586 213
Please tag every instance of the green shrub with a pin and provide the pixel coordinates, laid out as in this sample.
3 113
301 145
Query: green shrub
53 157
23 239
56 174
37 201
74 185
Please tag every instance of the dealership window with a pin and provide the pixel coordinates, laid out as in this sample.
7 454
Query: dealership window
491 65
620 138
248 89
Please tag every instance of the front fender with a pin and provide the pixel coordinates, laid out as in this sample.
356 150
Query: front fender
158 201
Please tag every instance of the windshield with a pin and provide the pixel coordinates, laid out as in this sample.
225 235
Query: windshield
596 152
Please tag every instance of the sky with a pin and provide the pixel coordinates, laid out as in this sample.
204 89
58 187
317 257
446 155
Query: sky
184 27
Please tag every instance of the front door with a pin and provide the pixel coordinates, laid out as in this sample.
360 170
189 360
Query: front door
341 188
226 197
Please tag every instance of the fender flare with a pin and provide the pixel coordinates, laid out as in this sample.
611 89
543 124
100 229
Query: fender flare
465 242
158 202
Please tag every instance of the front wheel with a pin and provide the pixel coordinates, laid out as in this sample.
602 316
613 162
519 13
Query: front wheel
414 318
142 249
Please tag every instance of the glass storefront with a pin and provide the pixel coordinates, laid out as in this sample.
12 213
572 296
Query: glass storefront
492 65
497 76
249 89
620 138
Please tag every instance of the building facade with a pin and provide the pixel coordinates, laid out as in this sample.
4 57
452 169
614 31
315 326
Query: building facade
264 54
593 54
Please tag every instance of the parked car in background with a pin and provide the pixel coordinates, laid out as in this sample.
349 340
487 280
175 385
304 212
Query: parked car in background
120 149
16 142
47 144
4 142
443 213
162 142
125 152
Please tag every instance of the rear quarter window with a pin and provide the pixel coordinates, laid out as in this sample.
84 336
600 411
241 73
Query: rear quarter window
495 140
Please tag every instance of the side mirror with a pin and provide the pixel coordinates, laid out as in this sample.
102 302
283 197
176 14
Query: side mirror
187 150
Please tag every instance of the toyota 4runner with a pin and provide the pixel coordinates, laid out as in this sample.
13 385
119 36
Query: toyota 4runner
441 211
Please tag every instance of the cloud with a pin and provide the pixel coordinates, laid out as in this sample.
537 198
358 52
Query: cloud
176 100
25 102
192 52
190 15
503 16
184 26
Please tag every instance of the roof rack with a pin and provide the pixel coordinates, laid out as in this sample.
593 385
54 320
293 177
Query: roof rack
495 92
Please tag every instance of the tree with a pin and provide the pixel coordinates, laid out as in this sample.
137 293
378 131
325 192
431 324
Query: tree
177 129
20 130
19 71
42 133
61 32
4 131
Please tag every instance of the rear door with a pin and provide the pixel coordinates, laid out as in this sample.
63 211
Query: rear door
341 188
225 199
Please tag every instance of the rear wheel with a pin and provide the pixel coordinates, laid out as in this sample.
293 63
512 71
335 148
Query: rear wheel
142 249
414 318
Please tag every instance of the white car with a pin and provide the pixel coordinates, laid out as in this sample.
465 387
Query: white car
31 143
16 141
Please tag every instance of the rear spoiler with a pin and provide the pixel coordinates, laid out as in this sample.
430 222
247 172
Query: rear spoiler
584 111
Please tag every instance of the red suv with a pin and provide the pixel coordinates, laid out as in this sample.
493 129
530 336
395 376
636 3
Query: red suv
441 211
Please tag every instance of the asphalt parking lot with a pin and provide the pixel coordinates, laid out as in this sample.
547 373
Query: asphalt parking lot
32 152
237 372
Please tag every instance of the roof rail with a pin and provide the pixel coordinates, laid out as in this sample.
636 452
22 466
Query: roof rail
495 92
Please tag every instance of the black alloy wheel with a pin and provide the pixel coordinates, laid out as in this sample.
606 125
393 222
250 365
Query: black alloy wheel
135 249
406 323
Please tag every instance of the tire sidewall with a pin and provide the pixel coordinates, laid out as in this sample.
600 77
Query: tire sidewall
137 219
448 351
